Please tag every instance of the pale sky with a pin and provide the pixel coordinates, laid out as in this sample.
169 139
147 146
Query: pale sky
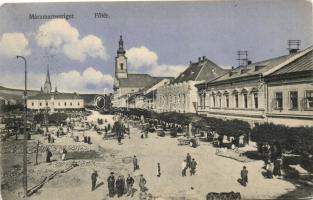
160 38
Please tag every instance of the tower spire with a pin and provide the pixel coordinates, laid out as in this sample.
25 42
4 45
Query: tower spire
47 86
121 46
48 75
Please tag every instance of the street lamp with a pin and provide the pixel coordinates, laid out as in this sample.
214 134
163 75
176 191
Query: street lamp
24 131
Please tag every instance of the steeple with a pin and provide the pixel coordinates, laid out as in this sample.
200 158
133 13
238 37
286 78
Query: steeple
120 61
47 86
121 46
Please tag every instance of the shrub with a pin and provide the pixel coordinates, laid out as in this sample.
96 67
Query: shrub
57 118
296 139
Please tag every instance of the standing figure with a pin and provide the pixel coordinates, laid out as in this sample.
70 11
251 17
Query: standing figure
49 138
159 170
119 186
94 176
135 163
48 155
188 160
244 176
111 182
193 166
64 153
146 132
130 182
142 183
269 169
277 166
184 168
123 184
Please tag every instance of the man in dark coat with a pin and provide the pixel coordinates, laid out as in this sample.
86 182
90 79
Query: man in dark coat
188 160
193 165
244 176
118 186
130 182
48 156
94 176
111 182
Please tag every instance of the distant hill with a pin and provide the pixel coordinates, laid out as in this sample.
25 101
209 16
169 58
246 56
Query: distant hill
17 94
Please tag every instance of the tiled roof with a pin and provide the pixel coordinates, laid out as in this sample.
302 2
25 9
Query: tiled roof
138 80
304 63
56 96
204 70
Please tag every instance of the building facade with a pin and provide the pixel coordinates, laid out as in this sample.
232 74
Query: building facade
181 94
257 94
146 98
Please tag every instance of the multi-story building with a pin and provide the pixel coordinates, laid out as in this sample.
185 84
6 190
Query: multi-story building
181 94
269 90
290 92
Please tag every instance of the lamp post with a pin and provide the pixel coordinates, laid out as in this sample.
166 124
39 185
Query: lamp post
24 131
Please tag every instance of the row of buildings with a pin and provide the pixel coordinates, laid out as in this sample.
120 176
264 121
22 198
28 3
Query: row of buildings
278 90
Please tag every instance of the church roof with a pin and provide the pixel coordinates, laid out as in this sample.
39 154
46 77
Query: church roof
63 96
204 70
139 81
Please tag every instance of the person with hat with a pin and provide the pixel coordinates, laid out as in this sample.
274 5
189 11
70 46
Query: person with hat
94 176
130 182
111 182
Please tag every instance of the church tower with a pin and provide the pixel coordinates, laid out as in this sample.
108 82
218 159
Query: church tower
120 61
47 86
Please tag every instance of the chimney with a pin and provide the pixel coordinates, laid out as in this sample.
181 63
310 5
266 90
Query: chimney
203 58
293 46
199 59
249 62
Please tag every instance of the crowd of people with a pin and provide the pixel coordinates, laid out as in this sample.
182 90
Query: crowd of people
119 185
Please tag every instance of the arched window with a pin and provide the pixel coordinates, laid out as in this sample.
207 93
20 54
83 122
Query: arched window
122 66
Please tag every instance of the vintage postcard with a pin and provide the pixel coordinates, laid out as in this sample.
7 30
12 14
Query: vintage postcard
156 100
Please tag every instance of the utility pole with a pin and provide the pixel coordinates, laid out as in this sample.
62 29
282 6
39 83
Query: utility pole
24 131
